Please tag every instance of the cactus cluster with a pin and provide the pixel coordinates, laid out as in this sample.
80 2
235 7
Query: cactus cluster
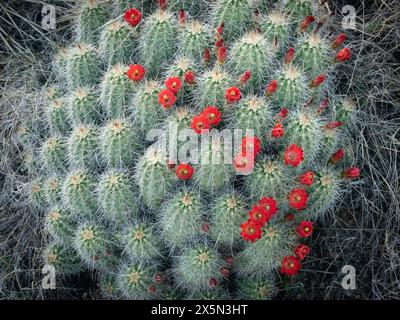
153 227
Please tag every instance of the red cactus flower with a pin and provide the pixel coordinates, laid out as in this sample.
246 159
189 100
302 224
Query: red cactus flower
352 172
206 55
258 215
323 106
307 178
232 95
270 206
213 282
301 251
174 84
298 199
343 55
304 229
200 124
135 72
271 88
333 125
220 28
289 55
317 81
184 171
221 54
339 40
250 231
245 77
166 98
306 22
133 16
244 163
189 77
212 114
182 16
290 265
277 131
337 156
251 144
294 155
283 113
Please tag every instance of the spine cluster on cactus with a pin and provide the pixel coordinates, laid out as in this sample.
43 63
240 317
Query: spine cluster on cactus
113 198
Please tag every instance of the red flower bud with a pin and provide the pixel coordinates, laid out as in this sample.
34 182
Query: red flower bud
333 125
221 54
182 16
162 3
343 55
277 131
289 56
205 227
245 77
283 113
306 22
229 260
339 40
352 172
271 88
337 156
158 277
224 272
289 217
317 81
152 289
213 282
206 55
189 77
323 106
220 28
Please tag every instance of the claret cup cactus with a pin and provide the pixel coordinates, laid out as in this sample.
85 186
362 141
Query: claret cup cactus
128 184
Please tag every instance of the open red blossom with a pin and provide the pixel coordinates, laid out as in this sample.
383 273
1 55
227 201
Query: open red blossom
200 124
250 231
221 54
333 125
184 171
271 88
301 251
182 16
251 144
298 199
189 77
245 77
289 55
270 206
206 55
133 16
306 22
166 98
339 40
307 178
304 229
290 265
212 114
277 131
343 55
258 215
283 113
174 84
317 81
337 156
352 172
244 163
293 155
135 72
232 95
